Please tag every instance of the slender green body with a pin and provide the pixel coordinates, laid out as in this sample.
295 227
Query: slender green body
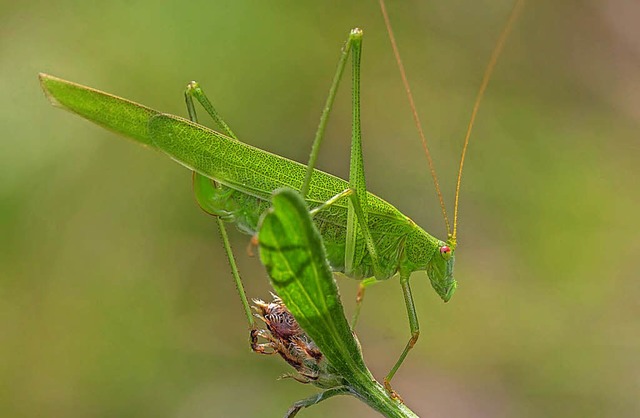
249 176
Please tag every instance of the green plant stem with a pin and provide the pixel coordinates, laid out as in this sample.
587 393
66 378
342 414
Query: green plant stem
374 394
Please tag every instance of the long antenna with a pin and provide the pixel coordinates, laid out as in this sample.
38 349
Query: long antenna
416 119
517 8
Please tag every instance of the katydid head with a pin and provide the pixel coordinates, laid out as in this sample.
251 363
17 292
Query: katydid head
440 271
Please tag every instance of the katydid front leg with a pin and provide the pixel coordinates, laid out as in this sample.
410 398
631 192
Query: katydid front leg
207 192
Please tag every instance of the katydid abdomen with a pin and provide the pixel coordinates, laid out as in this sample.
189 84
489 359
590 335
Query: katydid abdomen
249 175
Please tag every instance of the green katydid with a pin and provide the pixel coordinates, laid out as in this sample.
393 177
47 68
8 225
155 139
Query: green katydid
365 237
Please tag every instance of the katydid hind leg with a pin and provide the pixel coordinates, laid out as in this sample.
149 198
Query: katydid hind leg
207 192
413 325
357 219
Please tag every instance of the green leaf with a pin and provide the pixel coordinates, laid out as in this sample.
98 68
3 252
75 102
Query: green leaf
292 251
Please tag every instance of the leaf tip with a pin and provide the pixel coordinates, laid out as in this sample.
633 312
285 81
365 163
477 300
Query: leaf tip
46 81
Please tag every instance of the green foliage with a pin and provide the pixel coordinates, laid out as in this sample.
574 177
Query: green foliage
292 251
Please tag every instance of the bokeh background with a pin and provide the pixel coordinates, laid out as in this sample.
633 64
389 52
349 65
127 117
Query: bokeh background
115 296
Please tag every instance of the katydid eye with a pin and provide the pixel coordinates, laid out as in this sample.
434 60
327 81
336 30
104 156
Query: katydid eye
445 251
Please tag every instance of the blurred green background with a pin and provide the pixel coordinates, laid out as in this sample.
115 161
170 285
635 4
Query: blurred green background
115 296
